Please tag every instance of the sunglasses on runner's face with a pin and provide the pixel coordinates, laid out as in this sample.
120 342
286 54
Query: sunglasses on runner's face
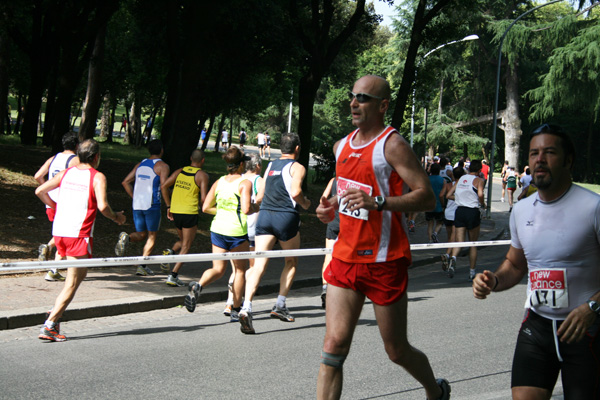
362 97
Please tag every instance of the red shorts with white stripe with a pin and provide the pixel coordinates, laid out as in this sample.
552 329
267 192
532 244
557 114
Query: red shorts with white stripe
74 247
383 283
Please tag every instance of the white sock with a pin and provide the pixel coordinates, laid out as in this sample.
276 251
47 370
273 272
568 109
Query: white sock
49 324
280 301
325 287
247 306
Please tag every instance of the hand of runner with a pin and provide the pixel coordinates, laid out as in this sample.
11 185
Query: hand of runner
325 210
483 284
357 198
120 219
574 328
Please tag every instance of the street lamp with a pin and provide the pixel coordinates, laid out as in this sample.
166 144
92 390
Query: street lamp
412 117
494 122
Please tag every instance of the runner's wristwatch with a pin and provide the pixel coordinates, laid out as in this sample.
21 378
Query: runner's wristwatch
595 307
380 201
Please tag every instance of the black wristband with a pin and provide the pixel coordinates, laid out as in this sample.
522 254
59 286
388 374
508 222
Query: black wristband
496 285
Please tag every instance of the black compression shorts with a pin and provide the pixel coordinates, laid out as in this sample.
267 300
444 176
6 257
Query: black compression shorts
283 225
536 362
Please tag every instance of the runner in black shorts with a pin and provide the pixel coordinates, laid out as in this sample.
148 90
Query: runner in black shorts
555 242
466 217
468 195
182 221
536 361
280 198
283 225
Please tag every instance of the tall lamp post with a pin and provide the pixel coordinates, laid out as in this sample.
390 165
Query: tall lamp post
412 117
494 122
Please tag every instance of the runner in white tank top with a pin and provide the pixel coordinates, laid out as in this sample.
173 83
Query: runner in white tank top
52 167
82 194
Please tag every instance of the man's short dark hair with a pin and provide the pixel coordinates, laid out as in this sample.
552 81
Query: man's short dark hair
475 166
289 141
155 147
434 169
70 140
87 150
458 172
565 139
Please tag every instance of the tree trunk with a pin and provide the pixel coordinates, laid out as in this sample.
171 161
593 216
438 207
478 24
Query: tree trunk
219 133
4 117
105 119
309 84
209 131
70 72
50 110
93 97
20 115
511 123
589 175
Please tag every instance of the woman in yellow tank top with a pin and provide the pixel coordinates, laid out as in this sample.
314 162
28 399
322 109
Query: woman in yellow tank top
229 200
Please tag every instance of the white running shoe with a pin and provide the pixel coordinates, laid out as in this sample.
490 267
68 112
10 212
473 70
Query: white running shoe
166 267
172 281
445 261
144 270
245 317
122 244
54 276
451 267
471 274
227 310
43 252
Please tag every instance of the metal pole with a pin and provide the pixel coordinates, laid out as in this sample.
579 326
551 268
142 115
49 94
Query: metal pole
290 117
494 122
425 139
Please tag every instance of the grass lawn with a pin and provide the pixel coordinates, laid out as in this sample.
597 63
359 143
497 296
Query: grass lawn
590 186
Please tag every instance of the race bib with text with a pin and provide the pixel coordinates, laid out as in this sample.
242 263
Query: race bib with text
549 288
344 184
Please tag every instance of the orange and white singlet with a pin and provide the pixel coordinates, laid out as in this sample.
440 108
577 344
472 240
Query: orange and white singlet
369 236
76 207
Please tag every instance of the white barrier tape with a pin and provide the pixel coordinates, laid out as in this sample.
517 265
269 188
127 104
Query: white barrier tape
117 261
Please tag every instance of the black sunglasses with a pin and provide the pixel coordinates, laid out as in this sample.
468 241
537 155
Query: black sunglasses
362 97
548 128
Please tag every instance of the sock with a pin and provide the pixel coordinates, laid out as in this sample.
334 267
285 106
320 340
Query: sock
247 306
174 274
238 309
280 301
49 324
325 287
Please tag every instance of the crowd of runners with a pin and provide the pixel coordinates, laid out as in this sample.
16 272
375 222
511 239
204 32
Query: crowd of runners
555 240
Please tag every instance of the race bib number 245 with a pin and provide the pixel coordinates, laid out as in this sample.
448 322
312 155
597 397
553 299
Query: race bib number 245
343 185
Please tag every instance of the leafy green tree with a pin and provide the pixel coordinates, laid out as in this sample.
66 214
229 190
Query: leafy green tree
572 85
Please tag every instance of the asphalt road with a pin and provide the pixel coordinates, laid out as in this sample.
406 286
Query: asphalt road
174 354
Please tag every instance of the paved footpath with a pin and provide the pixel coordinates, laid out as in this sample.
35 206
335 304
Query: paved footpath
117 290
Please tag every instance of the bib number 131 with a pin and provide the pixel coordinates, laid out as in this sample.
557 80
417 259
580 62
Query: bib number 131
549 288
343 185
